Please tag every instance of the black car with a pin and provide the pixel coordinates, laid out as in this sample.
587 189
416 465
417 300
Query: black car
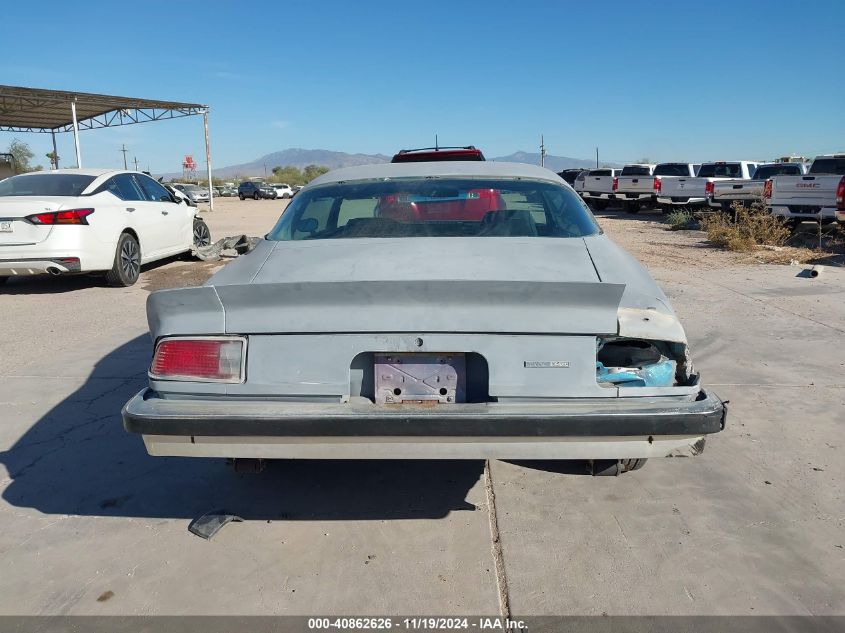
255 190
569 175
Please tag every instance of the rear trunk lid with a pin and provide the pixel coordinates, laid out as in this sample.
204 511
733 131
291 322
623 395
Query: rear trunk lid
502 285
15 230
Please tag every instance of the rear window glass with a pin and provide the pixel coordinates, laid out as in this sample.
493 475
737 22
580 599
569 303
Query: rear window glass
45 185
828 166
720 170
635 170
767 171
600 172
435 208
672 169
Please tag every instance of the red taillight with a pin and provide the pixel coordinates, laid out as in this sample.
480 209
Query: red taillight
657 185
615 183
840 195
199 359
71 216
708 188
767 188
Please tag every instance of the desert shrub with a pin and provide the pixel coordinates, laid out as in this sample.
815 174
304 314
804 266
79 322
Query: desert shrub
680 219
744 228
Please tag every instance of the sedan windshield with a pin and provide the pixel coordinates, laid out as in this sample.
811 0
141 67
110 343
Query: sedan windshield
45 185
435 208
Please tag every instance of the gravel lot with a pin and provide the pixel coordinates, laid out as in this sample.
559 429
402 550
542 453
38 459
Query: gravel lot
89 524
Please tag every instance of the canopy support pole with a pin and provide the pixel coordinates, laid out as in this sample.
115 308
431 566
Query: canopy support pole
55 160
76 134
208 161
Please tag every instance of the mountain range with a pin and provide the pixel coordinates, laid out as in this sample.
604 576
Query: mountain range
298 157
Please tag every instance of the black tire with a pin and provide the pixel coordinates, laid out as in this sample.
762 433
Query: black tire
256 196
127 262
202 235
3 280
600 205
632 207
632 464
241 196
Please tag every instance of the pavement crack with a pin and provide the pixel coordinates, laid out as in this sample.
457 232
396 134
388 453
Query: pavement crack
496 545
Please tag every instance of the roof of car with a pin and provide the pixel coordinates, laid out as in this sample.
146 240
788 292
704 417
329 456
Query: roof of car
437 169
81 172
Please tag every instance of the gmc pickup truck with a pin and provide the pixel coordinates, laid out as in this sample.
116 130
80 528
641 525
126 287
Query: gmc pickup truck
726 192
817 195
598 187
694 191
634 187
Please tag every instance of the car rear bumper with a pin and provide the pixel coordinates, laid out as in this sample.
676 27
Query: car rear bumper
586 429
38 266
809 212
628 195
680 200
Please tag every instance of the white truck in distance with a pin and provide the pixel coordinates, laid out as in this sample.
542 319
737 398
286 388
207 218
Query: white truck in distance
817 195
726 192
634 186
597 188
695 191
669 171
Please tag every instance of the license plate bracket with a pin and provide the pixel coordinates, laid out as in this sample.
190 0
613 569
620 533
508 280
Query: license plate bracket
416 378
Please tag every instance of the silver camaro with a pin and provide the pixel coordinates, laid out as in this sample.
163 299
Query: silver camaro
425 310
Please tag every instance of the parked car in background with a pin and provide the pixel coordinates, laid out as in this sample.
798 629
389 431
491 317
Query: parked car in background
817 195
228 192
437 154
578 186
668 171
68 221
197 193
726 192
314 347
296 189
694 191
569 175
634 186
283 190
180 195
255 190
597 188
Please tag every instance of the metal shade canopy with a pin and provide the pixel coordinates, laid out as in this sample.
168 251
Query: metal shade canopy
41 110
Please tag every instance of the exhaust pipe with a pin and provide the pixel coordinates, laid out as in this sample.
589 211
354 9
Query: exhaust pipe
53 270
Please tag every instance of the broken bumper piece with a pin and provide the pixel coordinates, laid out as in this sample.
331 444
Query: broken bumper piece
584 429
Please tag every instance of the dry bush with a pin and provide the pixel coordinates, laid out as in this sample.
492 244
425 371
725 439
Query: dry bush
746 228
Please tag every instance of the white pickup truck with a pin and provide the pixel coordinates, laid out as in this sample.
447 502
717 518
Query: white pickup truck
817 195
694 191
598 187
726 192
634 186
671 171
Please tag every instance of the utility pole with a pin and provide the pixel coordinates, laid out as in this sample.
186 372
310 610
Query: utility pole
265 171
542 152
124 150
597 158
136 163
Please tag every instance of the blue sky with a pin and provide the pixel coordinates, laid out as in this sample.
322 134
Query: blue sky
712 80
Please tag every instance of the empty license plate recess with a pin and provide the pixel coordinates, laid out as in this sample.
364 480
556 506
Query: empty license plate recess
412 377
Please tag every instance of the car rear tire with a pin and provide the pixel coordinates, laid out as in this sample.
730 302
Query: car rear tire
3 280
632 207
202 234
127 262
632 464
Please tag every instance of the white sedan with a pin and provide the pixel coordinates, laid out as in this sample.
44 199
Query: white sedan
91 220
283 191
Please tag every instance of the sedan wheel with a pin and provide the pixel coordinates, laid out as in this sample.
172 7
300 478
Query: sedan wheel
202 236
241 196
256 195
127 262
